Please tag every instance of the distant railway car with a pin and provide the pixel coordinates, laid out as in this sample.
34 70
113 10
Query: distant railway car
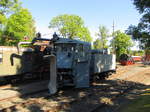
137 58
67 61
126 60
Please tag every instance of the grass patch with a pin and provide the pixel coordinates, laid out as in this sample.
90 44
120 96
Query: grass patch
141 104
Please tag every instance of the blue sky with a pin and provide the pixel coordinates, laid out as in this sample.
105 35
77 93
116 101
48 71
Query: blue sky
93 12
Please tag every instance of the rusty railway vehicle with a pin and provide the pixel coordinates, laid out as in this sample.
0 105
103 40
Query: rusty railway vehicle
63 61
125 59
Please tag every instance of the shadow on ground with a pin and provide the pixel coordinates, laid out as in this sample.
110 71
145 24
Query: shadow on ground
85 99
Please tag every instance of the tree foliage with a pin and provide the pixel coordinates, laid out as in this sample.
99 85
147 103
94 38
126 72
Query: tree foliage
71 26
137 53
101 41
15 22
141 32
19 24
7 6
97 44
122 43
142 5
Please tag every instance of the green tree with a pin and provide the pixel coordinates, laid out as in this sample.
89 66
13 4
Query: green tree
2 19
122 43
141 32
102 34
2 23
7 6
97 44
137 53
19 24
84 34
71 26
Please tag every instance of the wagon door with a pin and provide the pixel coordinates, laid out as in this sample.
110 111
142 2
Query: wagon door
82 67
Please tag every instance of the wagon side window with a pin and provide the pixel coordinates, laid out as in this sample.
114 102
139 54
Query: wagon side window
80 48
65 47
1 58
81 51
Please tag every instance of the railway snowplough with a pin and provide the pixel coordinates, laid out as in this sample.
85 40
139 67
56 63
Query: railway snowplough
65 62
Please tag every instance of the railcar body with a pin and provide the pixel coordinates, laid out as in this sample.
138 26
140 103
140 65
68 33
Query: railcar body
20 61
25 64
125 59
102 62
68 62
73 62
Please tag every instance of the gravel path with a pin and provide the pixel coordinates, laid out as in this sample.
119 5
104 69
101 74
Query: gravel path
138 73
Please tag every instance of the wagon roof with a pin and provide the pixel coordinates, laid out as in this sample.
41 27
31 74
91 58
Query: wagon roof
66 40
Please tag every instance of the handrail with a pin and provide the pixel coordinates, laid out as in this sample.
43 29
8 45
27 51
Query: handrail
22 43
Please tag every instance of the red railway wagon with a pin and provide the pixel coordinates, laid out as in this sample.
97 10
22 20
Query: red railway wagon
137 58
129 62
125 59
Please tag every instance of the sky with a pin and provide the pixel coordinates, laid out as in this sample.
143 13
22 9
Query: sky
93 12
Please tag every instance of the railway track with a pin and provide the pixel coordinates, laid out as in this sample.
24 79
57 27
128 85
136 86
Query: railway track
8 92
103 105
93 104
88 101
